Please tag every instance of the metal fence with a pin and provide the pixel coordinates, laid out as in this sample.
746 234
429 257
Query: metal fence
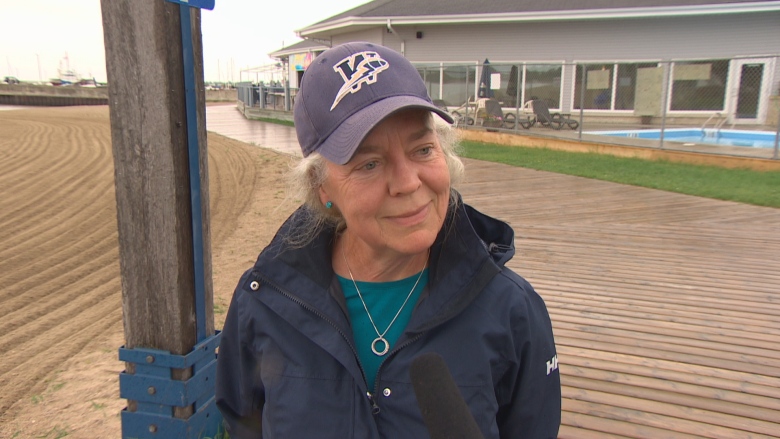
273 97
729 106
733 104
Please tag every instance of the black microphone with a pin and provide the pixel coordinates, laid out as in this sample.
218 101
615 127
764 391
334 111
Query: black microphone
443 408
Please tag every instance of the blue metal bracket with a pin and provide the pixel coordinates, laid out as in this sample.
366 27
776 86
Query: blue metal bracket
157 394
201 4
151 387
193 148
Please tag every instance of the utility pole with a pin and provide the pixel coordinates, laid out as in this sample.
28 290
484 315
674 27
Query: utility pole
154 64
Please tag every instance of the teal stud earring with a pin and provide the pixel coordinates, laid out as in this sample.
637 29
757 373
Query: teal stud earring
329 204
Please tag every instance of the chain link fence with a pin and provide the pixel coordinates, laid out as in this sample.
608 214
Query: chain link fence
727 106
266 96
730 104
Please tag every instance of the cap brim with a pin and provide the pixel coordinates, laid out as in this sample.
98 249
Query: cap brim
344 141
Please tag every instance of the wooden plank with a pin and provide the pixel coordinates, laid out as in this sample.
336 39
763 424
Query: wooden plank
660 292
568 431
738 321
149 140
613 416
597 426
666 307
653 325
670 348
149 135
749 382
740 366
630 336
744 412
571 298
729 386
731 402
678 418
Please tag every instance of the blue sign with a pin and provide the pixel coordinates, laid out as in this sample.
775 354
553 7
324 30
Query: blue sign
202 4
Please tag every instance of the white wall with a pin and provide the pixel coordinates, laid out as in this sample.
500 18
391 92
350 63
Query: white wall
373 35
596 40
630 40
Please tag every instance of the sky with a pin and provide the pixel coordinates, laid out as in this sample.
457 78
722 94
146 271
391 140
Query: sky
36 36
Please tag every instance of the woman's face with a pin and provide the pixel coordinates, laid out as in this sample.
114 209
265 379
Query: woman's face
394 191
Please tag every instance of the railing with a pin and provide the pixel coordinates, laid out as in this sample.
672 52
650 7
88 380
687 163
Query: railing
719 121
597 99
619 96
274 97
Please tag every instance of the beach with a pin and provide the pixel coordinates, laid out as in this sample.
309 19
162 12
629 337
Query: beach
60 294
664 306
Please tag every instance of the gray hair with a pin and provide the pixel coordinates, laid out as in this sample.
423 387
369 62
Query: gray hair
310 173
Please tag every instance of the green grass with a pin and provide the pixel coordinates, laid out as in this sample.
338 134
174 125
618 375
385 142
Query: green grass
761 188
56 433
288 123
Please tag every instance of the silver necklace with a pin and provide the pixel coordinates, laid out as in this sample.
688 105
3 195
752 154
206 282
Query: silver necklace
381 336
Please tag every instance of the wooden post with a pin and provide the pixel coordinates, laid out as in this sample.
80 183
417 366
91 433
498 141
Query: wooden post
149 137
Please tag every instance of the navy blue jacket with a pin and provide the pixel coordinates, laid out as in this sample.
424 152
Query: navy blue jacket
288 368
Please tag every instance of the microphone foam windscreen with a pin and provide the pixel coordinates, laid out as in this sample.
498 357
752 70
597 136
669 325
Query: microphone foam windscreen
443 408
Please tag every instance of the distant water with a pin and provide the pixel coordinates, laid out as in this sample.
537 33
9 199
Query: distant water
11 107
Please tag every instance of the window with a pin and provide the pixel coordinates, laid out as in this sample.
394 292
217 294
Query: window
543 81
625 89
699 85
431 75
598 86
503 84
458 84
601 84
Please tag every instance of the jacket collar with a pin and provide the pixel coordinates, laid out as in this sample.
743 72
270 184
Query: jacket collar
469 250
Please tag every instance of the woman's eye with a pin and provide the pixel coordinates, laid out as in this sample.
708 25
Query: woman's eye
425 150
369 166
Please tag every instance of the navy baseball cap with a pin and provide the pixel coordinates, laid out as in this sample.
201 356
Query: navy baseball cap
349 89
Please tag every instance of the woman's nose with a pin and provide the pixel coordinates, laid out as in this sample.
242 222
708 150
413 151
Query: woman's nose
404 178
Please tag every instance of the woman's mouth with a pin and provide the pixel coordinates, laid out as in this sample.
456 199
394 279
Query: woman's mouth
413 217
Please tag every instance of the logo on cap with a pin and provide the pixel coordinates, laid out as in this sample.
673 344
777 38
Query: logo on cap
356 70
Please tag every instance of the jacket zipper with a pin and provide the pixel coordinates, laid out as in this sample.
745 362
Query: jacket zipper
374 407
393 352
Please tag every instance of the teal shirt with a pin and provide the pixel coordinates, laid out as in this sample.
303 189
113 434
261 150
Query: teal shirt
383 300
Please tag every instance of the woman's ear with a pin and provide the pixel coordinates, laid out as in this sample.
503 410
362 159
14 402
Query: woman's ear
323 196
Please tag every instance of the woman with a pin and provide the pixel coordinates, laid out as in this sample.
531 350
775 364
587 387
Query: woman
382 263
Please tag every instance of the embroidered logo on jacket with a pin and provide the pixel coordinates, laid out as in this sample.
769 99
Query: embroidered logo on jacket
356 70
552 365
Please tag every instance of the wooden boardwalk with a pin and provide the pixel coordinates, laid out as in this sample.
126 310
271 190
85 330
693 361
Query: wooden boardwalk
665 307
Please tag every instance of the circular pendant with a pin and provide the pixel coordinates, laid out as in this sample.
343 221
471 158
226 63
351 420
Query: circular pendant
384 343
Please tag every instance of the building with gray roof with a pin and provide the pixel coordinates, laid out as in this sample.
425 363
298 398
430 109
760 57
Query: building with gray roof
709 54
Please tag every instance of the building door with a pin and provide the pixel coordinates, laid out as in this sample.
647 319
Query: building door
750 90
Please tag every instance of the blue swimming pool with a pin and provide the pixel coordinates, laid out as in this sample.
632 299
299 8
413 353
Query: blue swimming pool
755 139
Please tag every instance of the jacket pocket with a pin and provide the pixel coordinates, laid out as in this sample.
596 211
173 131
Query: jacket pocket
305 407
